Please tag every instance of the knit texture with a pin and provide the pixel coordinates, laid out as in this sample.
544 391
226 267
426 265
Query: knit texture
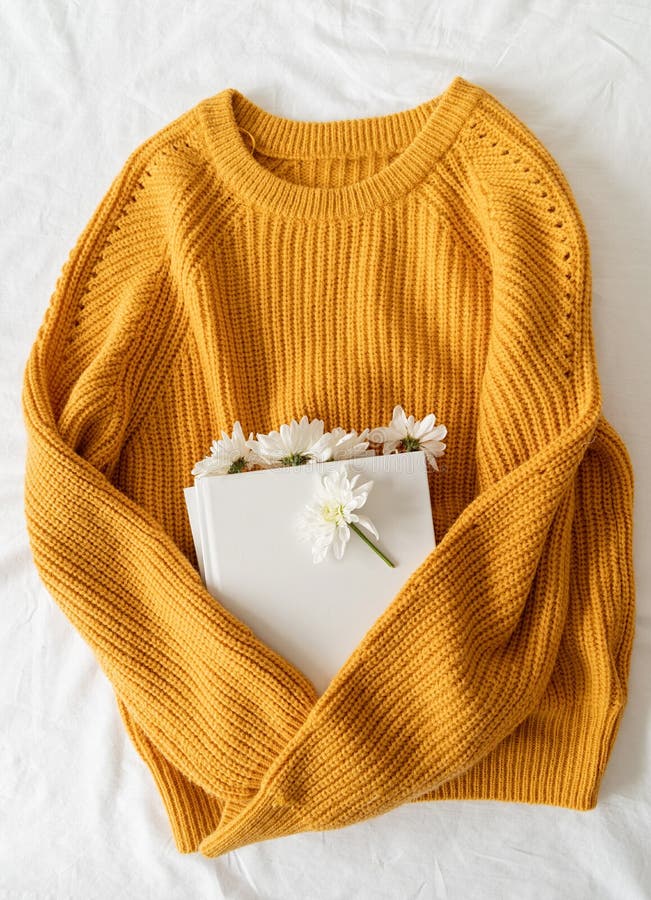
246 266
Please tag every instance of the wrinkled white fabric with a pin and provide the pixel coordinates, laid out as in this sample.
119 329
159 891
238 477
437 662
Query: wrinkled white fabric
82 86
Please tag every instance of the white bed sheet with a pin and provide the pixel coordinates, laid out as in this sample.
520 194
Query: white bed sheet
81 86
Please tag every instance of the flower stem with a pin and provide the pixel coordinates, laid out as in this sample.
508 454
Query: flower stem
358 531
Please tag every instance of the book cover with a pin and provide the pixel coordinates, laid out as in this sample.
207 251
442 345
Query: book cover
252 561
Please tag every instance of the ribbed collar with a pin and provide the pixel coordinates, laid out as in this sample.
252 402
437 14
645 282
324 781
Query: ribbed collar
421 134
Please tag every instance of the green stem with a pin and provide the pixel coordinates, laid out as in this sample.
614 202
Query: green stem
358 531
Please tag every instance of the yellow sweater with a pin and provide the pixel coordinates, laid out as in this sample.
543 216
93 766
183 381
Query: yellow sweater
246 266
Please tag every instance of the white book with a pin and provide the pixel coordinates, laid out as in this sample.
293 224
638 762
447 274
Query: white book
251 560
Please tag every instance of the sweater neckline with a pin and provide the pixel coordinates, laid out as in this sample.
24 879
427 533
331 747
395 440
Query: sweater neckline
420 133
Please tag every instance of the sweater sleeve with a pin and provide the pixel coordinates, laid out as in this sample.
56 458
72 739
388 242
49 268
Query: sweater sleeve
482 624
542 556
206 694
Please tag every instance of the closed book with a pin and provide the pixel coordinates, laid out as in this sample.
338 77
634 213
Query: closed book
251 559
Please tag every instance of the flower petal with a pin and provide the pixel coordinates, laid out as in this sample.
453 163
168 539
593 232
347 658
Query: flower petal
366 523
424 425
341 537
399 420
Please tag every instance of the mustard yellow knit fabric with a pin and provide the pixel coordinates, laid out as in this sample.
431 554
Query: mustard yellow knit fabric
242 265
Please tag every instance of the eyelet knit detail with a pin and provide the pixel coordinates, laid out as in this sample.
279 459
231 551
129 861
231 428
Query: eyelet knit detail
537 177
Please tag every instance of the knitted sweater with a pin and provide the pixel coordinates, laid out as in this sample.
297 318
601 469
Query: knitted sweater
246 266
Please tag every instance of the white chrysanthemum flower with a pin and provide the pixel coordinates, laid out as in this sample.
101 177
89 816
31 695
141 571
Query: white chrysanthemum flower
228 455
348 444
412 434
293 444
329 518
